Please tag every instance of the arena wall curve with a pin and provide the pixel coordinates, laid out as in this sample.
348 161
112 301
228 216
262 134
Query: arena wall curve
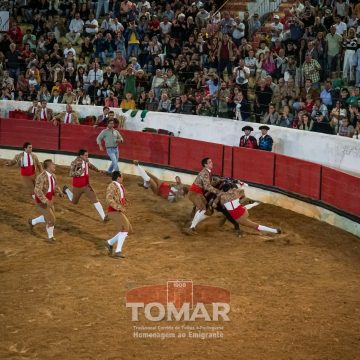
333 151
307 188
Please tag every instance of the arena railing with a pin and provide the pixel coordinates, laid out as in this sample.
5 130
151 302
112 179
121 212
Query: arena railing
304 180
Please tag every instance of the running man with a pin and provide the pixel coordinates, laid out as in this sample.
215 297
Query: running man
171 192
115 197
79 171
197 190
29 165
45 189
234 202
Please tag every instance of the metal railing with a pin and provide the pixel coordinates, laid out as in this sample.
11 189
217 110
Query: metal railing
263 7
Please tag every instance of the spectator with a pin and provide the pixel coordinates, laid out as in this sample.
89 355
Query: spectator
271 117
76 28
67 117
56 98
128 103
186 105
164 103
152 103
111 100
306 122
263 96
321 124
44 113
69 97
82 98
286 118
311 70
345 128
13 61
91 26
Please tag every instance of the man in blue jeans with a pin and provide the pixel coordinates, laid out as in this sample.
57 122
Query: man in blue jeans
111 138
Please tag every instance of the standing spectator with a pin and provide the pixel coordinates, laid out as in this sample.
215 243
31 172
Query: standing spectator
276 29
350 46
311 70
111 138
100 5
333 42
265 140
225 54
132 37
263 96
242 74
13 62
357 66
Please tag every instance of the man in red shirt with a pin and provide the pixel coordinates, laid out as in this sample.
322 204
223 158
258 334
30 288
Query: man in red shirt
29 164
79 171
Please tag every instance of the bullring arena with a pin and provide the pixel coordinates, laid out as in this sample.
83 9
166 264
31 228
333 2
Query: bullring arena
292 296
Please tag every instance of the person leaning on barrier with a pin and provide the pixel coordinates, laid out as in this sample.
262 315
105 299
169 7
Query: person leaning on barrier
44 113
67 117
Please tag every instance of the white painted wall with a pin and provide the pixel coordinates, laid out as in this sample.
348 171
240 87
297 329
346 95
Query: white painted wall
254 193
334 151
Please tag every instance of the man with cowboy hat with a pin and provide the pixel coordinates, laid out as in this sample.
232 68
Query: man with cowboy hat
265 140
247 140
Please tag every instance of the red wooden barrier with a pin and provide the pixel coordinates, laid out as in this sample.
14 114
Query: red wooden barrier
75 137
146 147
228 161
42 135
19 114
255 166
341 190
187 154
298 176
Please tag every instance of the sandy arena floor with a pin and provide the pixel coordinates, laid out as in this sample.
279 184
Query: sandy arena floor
294 296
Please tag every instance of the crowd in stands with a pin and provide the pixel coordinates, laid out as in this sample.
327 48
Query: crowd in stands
301 71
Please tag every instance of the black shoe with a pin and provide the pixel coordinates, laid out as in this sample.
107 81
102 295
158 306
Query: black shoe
108 247
118 255
279 231
51 240
136 162
64 189
106 218
31 226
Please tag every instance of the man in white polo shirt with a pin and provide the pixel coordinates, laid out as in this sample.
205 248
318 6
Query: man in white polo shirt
76 28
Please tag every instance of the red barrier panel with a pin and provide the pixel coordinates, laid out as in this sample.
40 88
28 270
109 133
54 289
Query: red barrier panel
42 135
341 190
18 114
256 166
228 161
187 154
298 176
146 147
75 137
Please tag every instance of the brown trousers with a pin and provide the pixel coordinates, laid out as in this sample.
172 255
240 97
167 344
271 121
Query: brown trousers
48 211
29 184
87 190
120 220
198 200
